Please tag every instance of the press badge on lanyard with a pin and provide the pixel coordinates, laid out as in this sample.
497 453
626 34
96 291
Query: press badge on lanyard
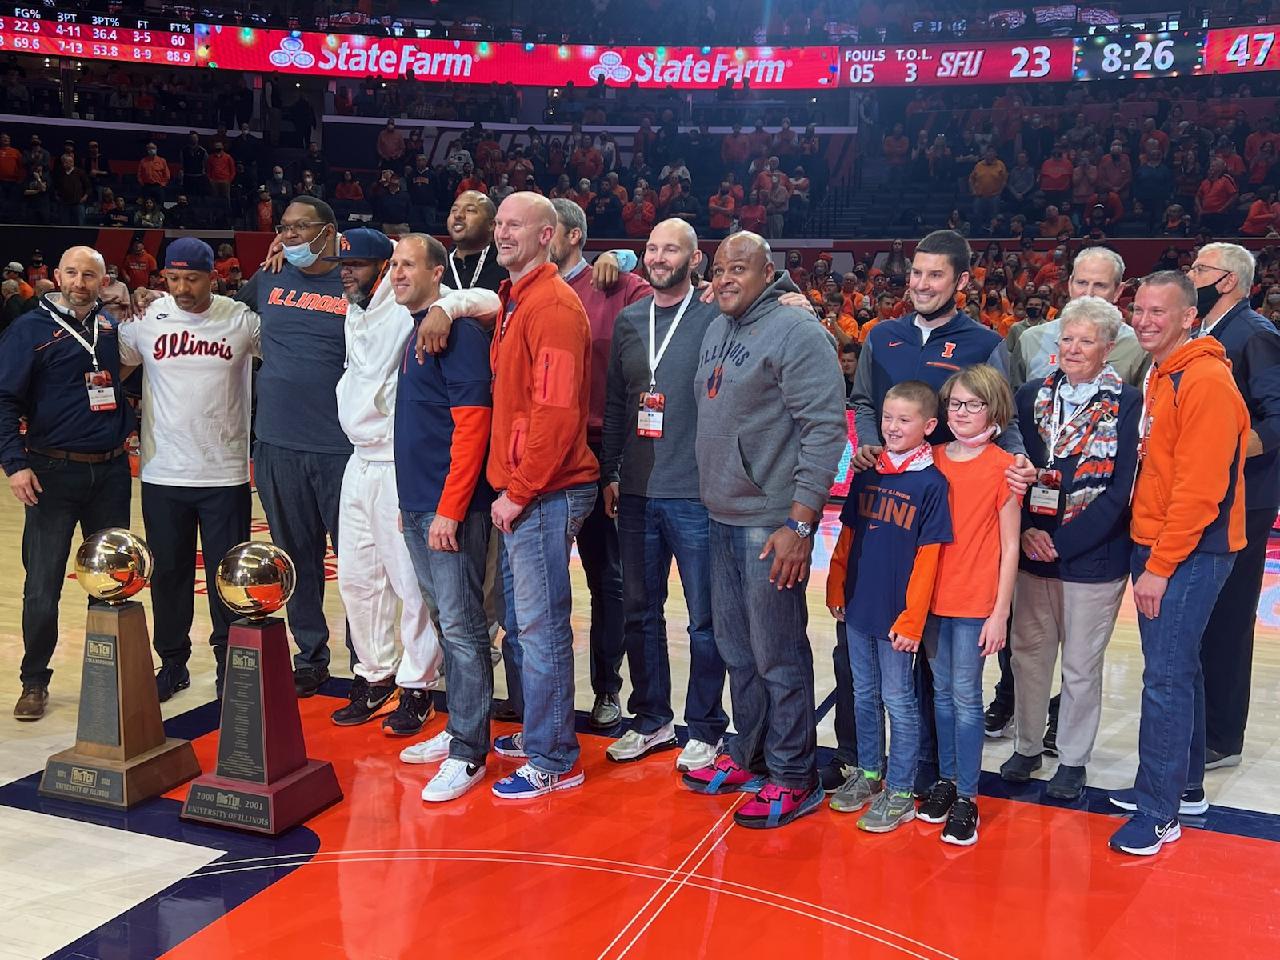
652 403
97 382
1046 493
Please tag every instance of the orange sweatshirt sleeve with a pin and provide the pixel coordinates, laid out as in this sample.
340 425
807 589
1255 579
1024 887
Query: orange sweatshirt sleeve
468 451
838 568
924 572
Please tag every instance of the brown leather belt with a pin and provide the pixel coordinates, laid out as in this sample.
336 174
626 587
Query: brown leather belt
79 457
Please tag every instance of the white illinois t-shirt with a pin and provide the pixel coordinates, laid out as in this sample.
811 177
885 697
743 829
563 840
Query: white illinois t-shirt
197 382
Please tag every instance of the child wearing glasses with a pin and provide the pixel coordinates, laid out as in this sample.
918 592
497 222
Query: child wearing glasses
973 589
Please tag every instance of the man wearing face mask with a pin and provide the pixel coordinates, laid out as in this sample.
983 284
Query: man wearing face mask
196 350
115 295
375 572
1223 273
195 161
153 174
301 451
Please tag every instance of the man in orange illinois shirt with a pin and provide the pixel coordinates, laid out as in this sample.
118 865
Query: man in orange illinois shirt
546 478
1187 527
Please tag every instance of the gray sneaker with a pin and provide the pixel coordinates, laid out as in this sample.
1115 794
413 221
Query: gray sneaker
888 812
854 794
634 745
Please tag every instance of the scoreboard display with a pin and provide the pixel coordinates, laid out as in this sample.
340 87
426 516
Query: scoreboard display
947 64
70 33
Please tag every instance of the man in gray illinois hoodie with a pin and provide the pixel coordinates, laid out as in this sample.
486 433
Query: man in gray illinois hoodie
771 430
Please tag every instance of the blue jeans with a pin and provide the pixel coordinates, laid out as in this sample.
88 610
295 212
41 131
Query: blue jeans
599 551
884 680
512 656
453 587
652 532
538 549
1171 739
93 495
760 632
299 493
951 644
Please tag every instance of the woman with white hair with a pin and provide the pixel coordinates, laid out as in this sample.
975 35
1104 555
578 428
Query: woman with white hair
1080 429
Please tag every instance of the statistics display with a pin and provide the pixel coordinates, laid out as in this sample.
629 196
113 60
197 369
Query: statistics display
926 64
70 33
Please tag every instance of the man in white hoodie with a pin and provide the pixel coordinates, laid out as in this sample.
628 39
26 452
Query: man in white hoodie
375 573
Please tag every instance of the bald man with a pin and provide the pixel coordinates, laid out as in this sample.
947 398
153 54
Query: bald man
60 367
771 431
545 477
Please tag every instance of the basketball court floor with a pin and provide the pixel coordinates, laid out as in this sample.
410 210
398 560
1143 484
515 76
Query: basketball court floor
631 864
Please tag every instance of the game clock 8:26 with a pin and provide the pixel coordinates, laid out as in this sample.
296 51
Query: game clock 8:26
1139 55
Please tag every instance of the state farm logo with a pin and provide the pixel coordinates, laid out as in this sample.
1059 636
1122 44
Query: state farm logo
611 68
292 53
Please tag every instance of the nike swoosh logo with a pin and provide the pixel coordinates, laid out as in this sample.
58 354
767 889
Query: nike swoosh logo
895 343
873 526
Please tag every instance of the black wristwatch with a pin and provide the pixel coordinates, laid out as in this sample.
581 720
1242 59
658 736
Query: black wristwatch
801 529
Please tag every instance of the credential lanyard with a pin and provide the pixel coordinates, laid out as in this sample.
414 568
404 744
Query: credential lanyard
1060 422
92 348
457 279
656 358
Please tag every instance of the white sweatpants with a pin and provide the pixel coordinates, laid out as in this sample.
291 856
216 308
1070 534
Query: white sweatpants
376 579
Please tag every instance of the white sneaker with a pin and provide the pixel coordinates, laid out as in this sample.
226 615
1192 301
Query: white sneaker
428 751
697 754
454 778
634 745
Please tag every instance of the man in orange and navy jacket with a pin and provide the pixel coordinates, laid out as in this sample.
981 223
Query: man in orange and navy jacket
546 478
1187 527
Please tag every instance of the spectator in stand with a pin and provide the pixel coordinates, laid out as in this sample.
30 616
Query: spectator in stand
897 153
71 190
221 171
314 161
582 195
1234 163
195 167
226 260
14 272
350 191
393 209
264 211
987 181
1262 168
586 162
722 209
638 215
1022 182
799 209
148 216
308 187
754 216
115 295
153 173
606 212
1264 215
1055 224
12 173
39 270
280 189
778 204
36 156
1152 185
181 216
390 147
685 205
501 190
1215 202
735 150
139 264
1056 176
471 181
677 169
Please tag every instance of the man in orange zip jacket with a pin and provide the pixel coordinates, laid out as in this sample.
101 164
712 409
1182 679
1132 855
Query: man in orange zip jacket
546 478
1187 526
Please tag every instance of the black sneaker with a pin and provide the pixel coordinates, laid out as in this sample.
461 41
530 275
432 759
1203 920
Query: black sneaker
606 712
220 664
1019 767
962 823
1051 737
171 678
506 713
936 806
411 715
1067 783
834 774
367 701
307 680
996 720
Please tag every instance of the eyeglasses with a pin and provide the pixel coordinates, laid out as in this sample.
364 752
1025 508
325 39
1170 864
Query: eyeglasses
1199 268
973 406
300 227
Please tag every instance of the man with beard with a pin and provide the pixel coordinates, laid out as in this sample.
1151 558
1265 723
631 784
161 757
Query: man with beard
196 351
650 472
375 571
60 367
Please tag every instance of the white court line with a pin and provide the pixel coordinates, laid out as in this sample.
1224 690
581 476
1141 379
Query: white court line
645 906
695 881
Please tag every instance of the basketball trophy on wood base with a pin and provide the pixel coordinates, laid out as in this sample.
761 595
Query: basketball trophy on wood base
264 783
122 755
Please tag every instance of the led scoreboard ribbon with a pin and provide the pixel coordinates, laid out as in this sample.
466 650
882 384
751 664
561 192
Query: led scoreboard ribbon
72 33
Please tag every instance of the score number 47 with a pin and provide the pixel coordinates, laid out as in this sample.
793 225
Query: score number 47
1239 52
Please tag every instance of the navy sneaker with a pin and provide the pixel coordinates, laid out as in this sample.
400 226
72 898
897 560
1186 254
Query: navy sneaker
529 782
1193 802
1143 836
171 678
512 745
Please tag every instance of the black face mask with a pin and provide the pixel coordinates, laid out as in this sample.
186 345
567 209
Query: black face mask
1033 313
1206 299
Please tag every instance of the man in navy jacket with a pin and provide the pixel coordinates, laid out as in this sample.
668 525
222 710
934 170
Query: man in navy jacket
60 368
1223 275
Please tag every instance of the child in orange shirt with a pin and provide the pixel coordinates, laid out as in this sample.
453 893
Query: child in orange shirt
973 589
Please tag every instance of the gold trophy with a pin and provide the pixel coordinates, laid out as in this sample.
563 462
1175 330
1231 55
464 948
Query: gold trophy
264 783
122 755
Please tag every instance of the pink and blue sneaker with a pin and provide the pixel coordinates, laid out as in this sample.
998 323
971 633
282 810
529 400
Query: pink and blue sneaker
529 782
723 776
776 806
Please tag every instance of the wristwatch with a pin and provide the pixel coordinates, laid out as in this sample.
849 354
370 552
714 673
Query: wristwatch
802 530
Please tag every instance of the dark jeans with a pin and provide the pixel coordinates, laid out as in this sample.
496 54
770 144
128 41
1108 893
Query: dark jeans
93 495
602 564
1171 728
845 720
299 493
760 631
512 655
172 516
652 532
1227 651
453 588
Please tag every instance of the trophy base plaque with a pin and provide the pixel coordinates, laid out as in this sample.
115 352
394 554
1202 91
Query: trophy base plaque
119 784
121 756
265 782
271 809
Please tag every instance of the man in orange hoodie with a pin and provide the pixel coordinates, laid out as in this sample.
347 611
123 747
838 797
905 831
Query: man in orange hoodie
1187 526
546 478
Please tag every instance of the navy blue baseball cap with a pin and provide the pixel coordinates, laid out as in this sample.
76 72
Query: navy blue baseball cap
364 243
188 253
